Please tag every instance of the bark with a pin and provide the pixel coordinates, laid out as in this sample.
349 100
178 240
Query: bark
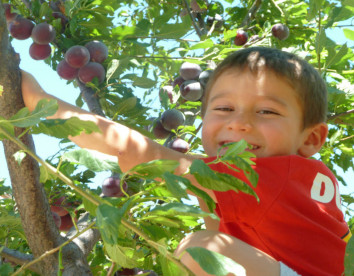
38 224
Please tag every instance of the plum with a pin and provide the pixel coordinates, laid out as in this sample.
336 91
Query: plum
159 131
111 187
172 119
77 56
90 71
43 33
65 71
21 28
179 144
189 71
98 51
40 52
191 90
204 77
66 223
280 31
241 38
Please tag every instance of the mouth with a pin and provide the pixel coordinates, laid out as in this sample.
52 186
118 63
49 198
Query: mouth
251 147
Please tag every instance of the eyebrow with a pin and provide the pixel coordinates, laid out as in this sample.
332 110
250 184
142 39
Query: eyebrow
263 97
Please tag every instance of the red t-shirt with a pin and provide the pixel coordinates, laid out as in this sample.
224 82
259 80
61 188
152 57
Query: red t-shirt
298 220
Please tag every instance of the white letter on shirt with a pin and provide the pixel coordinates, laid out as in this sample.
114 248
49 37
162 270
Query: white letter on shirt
328 192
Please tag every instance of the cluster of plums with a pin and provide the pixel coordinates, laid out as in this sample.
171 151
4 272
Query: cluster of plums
22 28
191 82
84 62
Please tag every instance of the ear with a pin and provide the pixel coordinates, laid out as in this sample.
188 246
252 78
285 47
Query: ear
314 138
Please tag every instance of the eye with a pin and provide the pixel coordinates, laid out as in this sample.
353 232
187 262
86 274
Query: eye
267 112
223 108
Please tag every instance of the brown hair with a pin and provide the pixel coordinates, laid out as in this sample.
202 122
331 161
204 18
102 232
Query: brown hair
305 79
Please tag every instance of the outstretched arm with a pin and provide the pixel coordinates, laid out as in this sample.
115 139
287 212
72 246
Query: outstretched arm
131 147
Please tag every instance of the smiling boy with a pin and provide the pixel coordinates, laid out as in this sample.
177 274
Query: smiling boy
277 103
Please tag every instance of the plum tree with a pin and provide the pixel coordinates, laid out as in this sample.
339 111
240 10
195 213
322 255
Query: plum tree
21 28
172 119
65 71
40 51
98 51
77 56
241 38
43 33
280 31
90 71
179 144
191 90
111 187
189 71
159 131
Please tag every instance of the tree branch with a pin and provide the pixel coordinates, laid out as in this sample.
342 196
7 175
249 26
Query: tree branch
251 13
334 116
90 98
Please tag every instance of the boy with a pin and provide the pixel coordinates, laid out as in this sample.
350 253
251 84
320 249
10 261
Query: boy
277 103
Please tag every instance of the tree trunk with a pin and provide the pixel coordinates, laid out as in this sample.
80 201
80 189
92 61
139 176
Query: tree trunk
38 224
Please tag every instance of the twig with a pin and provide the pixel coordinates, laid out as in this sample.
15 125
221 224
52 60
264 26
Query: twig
199 32
340 114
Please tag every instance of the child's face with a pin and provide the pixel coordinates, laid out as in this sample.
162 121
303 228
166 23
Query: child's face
262 109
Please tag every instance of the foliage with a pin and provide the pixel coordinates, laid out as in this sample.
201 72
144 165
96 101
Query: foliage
148 41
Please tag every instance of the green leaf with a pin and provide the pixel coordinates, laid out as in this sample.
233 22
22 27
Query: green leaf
218 181
108 221
349 33
7 127
24 118
6 268
179 209
349 258
112 68
125 256
143 82
215 263
320 41
91 161
233 149
168 267
61 128
176 184
126 105
155 168
336 56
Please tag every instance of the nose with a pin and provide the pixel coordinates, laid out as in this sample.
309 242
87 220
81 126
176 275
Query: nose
240 122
